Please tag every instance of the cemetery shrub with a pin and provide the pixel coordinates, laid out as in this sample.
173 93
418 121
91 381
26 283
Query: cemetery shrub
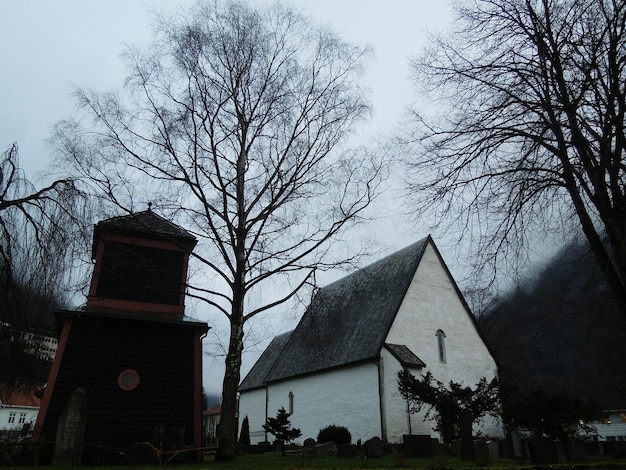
336 434
244 437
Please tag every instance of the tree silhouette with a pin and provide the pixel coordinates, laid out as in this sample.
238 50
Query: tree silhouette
244 436
280 428
530 138
233 123
449 403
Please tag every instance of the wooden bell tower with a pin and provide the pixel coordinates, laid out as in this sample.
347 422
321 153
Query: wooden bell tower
141 264
131 348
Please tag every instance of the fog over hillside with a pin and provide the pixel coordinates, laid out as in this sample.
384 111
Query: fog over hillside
562 332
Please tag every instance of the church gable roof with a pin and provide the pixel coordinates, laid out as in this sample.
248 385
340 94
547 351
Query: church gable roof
256 376
348 320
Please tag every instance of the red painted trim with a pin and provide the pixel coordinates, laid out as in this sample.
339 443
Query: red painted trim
183 280
96 270
197 397
52 378
93 301
140 241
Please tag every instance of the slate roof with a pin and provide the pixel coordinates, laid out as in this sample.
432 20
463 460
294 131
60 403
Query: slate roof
145 223
256 376
347 321
403 354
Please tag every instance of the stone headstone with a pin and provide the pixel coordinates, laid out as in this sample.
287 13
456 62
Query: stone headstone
320 451
467 440
517 446
504 448
373 448
455 448
418 446
71 431
168 438
542 451
575 453
347 450
485 452
593 448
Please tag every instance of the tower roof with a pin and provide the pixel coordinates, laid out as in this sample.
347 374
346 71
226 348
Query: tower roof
146 224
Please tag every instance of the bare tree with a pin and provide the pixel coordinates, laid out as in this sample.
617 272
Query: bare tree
38 228
531 134
232 123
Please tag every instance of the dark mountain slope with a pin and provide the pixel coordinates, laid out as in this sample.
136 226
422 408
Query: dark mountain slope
562 333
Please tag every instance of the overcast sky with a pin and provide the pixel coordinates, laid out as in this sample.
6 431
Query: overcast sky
48 47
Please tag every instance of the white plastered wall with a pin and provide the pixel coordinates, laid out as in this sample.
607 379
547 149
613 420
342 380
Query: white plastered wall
344 397
252 405
395 407
432 304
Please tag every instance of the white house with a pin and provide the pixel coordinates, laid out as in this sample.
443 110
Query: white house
612 428
210 420
19 407
339 366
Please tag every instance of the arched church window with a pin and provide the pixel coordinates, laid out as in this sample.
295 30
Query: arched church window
441 345
290 403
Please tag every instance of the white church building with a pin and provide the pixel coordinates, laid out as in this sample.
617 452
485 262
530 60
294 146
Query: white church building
340 364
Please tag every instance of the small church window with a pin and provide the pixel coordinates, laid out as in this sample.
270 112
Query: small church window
441 345
290 403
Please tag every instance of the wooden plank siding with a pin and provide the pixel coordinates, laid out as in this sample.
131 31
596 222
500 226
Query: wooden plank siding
99 348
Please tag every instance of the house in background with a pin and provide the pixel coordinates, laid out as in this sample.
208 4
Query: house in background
19 407
210 420
340 364
132 349
612 428
40 343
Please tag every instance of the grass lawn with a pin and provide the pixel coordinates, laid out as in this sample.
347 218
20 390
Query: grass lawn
274 461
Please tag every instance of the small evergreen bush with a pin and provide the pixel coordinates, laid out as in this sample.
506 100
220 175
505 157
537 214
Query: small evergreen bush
244 437
336 434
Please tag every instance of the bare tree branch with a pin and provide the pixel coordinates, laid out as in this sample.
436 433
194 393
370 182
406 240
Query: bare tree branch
531 140
234 123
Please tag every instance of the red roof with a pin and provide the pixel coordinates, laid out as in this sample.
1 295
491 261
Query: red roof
19 396
216 410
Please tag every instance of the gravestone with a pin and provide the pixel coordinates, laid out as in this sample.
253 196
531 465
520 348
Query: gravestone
71 431
467 440
517 445
168 438
373 448
418 446
485 452
320 451
347 450
542 451
575 453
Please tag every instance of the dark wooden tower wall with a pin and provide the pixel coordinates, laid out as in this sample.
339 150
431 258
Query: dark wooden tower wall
96 351
132 349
